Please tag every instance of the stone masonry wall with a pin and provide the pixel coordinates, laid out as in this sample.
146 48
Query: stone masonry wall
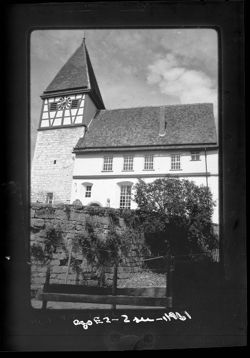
46 174
72 221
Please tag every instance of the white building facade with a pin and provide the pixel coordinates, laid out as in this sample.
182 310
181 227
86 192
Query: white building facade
107 180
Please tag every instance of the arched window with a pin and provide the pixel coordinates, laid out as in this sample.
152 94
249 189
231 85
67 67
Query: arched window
125 194
88 189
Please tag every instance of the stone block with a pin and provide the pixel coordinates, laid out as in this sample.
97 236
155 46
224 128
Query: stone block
55 262
124 269
108 276
86 276
71 281
61 214
127 269
123 276
37 223
59 269
92 283
45 213
61 276
121 283
103 220
67 226
41 274
38 280
122 222
53 280
77 216
32 213
80 227
37 238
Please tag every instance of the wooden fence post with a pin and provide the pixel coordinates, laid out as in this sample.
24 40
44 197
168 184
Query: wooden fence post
46 284
169 281
114 287
70 246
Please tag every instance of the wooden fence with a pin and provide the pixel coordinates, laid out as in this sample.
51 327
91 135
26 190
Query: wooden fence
145 296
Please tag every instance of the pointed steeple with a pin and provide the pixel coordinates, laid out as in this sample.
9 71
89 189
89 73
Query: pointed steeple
76 76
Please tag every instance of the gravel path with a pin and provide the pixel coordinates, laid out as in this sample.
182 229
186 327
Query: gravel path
145 279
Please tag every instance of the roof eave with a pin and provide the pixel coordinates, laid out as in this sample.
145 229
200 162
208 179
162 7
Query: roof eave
76 90
148 147
49 94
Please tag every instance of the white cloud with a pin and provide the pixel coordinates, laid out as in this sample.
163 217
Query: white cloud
188 85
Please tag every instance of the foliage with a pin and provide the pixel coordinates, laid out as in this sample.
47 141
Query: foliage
176 215
95 204
175 198
77 202
132 218
132 238
102 251
37 253
44 253
75 264
67 211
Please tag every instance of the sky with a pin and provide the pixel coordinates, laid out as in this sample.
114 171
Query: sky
133 68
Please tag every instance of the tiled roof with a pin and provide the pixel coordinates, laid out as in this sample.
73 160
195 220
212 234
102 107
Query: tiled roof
93 83
76 74
189 124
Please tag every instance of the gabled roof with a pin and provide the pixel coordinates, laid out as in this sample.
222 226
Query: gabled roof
189 124
76 75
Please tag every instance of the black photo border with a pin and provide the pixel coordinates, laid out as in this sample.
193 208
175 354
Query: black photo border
26 329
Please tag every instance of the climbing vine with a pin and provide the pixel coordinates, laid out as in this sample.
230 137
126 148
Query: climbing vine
43 253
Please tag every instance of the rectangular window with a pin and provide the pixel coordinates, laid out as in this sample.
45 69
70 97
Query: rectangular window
195 155
49 198
74 103
108 164
149 162
88 191
125 199
128 163
53 106
175 162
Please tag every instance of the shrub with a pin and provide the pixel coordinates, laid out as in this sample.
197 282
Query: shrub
176 216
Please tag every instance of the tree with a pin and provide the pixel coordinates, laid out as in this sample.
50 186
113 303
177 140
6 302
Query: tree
177 212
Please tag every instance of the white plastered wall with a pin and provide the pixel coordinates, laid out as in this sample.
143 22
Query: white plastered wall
88 169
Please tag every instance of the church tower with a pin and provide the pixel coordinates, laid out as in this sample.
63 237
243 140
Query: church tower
70 102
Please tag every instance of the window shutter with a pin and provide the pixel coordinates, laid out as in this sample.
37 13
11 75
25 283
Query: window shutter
74 103
53 106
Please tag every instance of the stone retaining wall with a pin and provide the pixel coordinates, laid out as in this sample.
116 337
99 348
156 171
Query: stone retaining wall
72 222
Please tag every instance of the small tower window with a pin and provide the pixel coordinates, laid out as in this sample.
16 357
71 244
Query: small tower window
53 106
54 161
49 198
74 103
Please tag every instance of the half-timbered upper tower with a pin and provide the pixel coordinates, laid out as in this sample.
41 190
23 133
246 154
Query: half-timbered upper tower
70 102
